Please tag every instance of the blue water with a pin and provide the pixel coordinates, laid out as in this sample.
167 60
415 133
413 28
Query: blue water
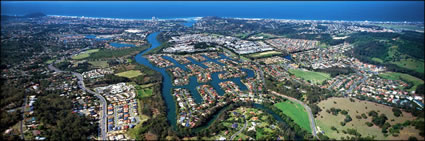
288 57
321 10
94 37
167 82
189 23
120 45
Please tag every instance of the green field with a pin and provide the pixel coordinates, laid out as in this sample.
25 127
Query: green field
265 35
100 64
50 61
241 35
144 90
377 60
84 54
402 76
323 45
130 73
313 77
264 54
409 63
412 64
296 112
403 27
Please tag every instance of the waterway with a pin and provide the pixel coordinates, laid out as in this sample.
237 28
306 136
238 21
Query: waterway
167 86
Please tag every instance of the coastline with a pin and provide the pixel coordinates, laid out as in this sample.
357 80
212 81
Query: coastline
240 18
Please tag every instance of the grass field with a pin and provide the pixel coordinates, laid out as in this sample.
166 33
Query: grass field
326 120
50 61
264 54
412 64
84 54
409 63
296 112
399 76
265 35
377 60
130 73
241 35
144 92
403 27
314 77
100 64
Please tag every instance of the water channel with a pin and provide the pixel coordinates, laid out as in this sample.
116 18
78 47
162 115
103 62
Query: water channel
167 86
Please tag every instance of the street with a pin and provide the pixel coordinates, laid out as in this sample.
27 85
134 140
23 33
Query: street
103 124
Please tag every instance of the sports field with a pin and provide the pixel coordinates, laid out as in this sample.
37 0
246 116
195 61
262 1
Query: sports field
314 77
400 76
326 120
296 112
264 54
84 54
100 64
130 73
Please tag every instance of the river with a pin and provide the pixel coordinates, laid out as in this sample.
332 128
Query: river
167 86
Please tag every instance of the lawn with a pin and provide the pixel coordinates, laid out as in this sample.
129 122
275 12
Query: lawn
264 54
144 92
296 112
130 73
84 54
100 64
313 77
326 120
404 77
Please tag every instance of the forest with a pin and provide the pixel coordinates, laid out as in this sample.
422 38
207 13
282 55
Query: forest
59 122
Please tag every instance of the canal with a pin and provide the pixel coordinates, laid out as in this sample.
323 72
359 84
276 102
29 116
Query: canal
167 86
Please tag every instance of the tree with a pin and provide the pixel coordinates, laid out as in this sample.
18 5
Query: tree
397 112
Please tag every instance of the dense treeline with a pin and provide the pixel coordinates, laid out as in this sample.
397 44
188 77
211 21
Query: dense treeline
313 94
376 45
335 71
114 53
157 124
59 123
412 44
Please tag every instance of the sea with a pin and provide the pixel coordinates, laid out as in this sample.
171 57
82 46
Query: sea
397 11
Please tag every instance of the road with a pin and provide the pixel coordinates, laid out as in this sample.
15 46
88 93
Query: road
310 115
103 124
243 128
23 117
357 83
333 84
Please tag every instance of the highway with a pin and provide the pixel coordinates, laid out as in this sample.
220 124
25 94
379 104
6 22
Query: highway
103 124
310 115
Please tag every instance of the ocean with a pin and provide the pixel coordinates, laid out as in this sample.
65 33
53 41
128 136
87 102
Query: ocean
323 10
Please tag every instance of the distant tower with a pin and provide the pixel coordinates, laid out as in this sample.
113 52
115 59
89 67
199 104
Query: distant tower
154 18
